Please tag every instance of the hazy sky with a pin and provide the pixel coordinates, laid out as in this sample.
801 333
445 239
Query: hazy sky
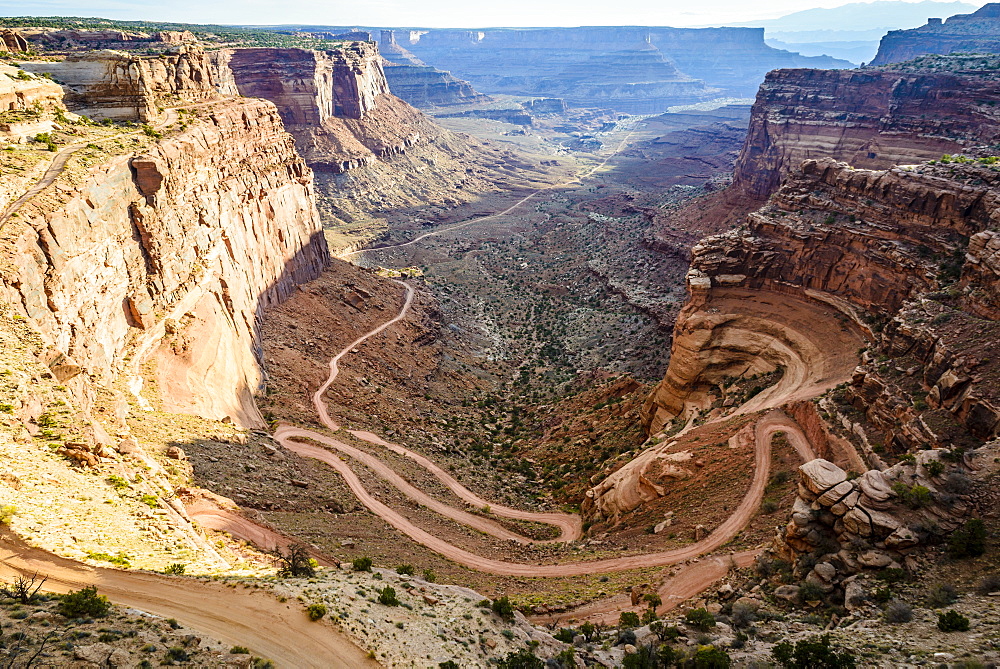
424 13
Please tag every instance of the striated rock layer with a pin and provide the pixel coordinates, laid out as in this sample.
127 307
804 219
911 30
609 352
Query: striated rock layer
866 244
978 32
872 119
117 85
172 255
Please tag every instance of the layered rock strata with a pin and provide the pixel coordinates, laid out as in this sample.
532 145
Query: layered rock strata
12 41
867 118
121 86
978 32
648 67
171 255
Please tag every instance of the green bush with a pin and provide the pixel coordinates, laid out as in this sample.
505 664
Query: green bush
429 575
700 619
522 659
239 650
406 570
7 512
810 592
362 564
915 496
813 653
565 635
175 569
711 657
316 611
503 608
628 619
968 540
388 596
84 603
952 621
176 654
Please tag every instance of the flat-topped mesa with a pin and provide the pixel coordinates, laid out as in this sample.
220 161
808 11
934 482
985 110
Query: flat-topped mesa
122 86
309 86
74 40
978 32
651 67
867 118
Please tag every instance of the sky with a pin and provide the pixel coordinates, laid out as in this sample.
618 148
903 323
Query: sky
423 13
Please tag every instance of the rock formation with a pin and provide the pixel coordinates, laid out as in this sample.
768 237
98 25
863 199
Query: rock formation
626 68
117 85
419 84
17 94
978 32
867 118
171 255
89 40
12 41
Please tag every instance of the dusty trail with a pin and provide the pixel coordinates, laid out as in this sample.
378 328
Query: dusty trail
766 427
236 616
570 526
562 184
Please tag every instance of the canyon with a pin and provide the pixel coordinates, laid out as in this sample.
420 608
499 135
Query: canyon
266 301
978 32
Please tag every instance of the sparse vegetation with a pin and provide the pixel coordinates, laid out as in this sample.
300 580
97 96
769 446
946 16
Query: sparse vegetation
316 611
84 603
503 608
387 596
361 564
968 540
700 619
952 621
296 562
813 653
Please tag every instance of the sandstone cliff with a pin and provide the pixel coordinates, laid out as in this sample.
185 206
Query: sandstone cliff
170 255
873 119
978 32
117 85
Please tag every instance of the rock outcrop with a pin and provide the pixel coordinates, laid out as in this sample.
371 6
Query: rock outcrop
89 40
20 94
867 118
12 41
425 86
122 86
170 255
978 32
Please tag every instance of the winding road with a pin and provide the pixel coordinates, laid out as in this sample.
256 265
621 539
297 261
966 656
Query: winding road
291 438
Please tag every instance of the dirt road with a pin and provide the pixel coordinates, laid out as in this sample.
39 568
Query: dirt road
290 437
255 619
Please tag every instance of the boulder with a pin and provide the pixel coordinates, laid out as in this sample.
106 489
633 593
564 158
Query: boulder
819 475
874 486
875 559
855 595
787 592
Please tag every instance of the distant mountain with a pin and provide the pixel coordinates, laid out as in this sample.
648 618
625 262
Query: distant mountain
884 14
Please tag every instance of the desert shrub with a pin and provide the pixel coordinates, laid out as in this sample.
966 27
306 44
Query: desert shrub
952 621
522 659
588 630
710 657
628 619
24 589
239 650
565 635
626 637
448 664
429 575
813 653
296 562
810 592
361 564
989 583
503 608
175 568
700 619
316 611
958 483
743 614
405 570
84 603
176 654
935 468
388 596
892 575
915 496
968 540
941 595
898 611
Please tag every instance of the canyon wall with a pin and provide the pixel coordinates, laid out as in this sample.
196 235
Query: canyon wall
867 118
630 69
883 252
170 255
978 32
121 86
